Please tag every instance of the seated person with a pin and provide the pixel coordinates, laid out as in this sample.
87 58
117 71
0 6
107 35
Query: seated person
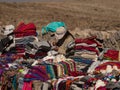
59 36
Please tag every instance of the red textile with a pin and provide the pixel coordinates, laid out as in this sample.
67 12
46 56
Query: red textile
27 86
25 30
41 54
104 65
19 26
86 48
88 41
112 54
102 88
23 27
25 33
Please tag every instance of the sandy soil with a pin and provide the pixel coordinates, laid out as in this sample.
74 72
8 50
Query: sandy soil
95 14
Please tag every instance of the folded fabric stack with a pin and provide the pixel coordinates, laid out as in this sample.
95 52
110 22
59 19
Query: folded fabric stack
25 40
37 49
85 52
82 64
87 48
64 83
66 65
18 50
36 73
25 30
52 71
23 34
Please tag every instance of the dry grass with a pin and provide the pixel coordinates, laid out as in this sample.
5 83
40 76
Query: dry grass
95 14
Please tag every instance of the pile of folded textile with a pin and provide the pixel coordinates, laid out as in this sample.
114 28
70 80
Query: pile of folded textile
27 63
87 47
85 51
23 34
37 49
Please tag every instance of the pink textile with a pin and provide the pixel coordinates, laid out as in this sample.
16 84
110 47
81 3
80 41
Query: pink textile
27 86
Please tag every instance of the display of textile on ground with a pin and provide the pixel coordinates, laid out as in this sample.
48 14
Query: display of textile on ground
27 63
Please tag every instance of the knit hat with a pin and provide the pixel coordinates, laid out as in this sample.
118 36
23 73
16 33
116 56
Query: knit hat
60 32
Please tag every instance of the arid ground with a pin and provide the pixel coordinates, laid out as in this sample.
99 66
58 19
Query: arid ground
95 14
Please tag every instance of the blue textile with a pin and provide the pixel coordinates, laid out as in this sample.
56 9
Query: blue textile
83 60
52 27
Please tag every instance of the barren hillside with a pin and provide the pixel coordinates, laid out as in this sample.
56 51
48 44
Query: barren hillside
97 14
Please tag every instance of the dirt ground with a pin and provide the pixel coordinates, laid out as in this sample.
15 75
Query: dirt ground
94 14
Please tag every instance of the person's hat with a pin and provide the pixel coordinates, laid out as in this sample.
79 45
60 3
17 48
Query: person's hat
60 32
52 27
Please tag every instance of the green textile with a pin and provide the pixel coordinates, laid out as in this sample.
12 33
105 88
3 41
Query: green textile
52 27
